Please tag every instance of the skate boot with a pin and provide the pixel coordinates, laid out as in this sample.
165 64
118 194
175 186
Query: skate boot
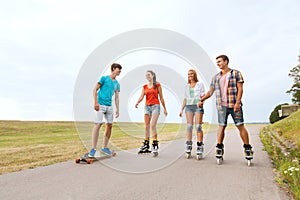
155 148
200 150
219 153
248 153
145 147
188 150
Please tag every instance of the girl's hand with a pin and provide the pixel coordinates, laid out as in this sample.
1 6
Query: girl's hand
165 112
180 114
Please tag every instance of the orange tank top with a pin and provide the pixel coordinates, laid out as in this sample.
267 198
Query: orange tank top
151 94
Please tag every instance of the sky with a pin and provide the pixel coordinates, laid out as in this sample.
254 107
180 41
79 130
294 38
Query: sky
44 44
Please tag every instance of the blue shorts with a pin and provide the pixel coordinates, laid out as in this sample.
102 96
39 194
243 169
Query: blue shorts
152 109
237 117
194 109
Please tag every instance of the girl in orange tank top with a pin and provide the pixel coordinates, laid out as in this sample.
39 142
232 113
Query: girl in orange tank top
154 97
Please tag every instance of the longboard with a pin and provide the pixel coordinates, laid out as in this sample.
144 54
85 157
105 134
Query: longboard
89 160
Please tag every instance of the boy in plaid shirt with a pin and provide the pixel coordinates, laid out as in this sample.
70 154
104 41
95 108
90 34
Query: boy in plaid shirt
228 86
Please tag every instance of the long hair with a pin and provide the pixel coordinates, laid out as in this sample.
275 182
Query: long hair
195 75
154 78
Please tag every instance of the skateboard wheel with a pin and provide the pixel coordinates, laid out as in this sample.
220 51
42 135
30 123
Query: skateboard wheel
77 160
89 161
114 154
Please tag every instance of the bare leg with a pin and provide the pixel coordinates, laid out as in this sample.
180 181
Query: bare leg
107 135
243 133
95 135
153 123
189 120
221 134
147 126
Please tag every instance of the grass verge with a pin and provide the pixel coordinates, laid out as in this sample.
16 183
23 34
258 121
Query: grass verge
281 141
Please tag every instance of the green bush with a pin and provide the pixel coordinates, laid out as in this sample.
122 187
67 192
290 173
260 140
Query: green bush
274 117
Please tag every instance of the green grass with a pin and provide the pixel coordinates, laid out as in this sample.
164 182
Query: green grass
289 128
25 145
284 148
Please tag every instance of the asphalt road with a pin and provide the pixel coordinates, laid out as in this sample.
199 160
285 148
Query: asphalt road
168 176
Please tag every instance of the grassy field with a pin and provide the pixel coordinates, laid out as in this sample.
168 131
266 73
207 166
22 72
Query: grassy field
25 145
282 142
28 144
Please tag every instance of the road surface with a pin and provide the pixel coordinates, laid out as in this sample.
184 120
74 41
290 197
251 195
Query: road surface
169 176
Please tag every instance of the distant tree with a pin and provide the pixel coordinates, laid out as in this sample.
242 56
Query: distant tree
295 89
274 117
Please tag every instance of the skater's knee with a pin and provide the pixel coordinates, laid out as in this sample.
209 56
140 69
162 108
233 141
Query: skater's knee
199 128
189 127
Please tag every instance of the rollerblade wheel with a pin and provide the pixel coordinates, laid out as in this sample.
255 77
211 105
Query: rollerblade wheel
199 157
188 155
249 163
219 161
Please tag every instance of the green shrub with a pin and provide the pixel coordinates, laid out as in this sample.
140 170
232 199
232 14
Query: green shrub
274 117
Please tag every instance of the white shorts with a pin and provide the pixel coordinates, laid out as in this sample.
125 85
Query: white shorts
107 112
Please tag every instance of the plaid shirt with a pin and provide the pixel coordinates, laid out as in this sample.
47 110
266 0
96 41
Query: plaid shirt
234 77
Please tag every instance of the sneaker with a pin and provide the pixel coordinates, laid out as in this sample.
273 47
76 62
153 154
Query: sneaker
106 151
92 153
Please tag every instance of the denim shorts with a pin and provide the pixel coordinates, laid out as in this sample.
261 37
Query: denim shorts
194 109
152 109
237 117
